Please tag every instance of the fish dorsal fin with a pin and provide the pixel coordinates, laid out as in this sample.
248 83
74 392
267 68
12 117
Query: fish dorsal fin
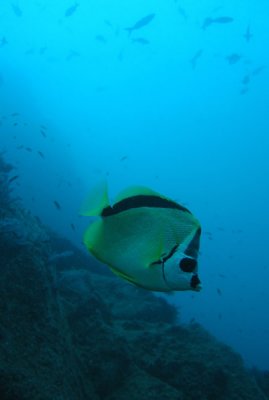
96 201
136 191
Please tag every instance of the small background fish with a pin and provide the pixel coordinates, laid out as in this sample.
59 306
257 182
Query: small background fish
84 84
71 10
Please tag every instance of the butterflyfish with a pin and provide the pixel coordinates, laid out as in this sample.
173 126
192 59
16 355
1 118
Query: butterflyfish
145 238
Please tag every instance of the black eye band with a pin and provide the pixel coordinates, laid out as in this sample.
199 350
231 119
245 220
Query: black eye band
193 247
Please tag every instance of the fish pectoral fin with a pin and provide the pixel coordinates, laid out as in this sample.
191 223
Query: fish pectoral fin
96 201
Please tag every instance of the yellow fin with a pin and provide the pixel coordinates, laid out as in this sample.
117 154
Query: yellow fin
91 234
122 275
127 278
96 201
136 191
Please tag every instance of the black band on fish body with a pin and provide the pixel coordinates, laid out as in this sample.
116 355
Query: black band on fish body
193 247
141 201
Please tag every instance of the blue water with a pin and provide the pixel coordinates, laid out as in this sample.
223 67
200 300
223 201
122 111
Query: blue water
183 110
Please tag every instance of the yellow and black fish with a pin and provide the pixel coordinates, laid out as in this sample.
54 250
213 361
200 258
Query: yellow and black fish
145 238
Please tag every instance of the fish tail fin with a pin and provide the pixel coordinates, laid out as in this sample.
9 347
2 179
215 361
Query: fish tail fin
96 201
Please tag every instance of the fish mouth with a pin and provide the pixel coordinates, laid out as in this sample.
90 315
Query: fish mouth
196 283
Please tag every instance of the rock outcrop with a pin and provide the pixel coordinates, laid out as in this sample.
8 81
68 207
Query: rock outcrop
70 330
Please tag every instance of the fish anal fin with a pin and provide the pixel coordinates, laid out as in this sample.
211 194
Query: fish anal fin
122 275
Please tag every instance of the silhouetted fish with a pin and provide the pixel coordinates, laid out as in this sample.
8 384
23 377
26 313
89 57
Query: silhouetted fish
140 40
182 12
219 292
219 20
108 23
57 205
29 52
233 58
195 58
244 90
70 11
248 35
43 133
3 41
13 178
72 54
207 22
245 80
41 154
258 70
28 149
237 231
73 227
42 50
17 10
223 20
100 38
123 158
141 23
207 233
121 55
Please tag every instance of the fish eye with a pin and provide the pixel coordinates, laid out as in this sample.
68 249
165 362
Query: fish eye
188 264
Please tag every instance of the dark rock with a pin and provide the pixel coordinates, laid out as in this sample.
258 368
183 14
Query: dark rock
70 332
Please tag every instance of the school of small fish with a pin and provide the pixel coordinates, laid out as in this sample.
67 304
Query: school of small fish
143 24
133 30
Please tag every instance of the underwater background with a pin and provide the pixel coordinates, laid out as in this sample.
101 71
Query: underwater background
178 103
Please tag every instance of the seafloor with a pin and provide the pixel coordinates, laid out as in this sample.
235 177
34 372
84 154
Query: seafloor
69 330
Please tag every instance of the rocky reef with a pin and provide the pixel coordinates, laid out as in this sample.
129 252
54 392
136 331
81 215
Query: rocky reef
70 330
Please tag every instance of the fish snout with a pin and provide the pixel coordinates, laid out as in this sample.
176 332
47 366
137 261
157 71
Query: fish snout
196 283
